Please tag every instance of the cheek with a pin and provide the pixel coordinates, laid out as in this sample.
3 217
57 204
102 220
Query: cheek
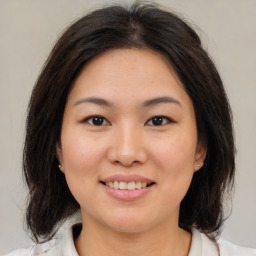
175 152
81 158
81 153
175 161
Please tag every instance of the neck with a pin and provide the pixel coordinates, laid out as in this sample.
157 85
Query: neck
97 240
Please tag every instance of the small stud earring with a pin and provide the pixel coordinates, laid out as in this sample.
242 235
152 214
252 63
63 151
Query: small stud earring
60 166
199 165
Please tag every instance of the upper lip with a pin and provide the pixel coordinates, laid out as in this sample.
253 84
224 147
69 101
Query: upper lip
126 178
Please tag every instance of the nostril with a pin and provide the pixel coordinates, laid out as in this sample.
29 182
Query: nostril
126 162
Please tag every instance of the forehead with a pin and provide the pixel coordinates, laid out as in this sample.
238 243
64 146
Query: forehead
132 74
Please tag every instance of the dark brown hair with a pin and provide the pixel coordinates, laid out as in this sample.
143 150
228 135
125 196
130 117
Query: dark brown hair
142 26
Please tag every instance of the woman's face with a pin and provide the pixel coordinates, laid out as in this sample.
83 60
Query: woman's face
128 123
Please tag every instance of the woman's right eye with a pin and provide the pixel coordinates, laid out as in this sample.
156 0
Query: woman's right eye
96 120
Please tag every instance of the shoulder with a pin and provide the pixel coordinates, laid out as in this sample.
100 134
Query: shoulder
61 246
38 249
19 252
226 248
229 249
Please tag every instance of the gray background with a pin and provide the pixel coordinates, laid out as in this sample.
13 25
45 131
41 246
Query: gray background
28 30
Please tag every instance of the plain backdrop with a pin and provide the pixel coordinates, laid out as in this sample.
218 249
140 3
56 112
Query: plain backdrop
28 31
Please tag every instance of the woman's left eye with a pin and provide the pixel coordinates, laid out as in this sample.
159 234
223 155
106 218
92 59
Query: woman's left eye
159 121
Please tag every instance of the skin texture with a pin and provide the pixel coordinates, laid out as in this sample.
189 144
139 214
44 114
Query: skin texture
129 142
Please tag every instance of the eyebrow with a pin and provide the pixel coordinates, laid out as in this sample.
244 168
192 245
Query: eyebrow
147 103
159 100
95 100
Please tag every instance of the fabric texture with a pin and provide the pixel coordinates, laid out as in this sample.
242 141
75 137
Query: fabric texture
201 245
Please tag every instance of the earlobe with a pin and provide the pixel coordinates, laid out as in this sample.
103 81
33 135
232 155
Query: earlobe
59 157
198 166
60 167
201 152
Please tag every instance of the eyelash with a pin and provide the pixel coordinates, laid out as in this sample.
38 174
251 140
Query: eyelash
88 119
103 119
167 120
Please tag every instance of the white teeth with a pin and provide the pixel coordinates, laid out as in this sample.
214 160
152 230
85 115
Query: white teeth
116 185
138 185
123 185
132 185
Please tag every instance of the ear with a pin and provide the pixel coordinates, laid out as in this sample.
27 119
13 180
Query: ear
59 157
200 155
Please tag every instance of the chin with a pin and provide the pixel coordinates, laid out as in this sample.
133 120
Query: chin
129 228
130 223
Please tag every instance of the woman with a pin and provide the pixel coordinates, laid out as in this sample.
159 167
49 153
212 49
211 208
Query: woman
129 124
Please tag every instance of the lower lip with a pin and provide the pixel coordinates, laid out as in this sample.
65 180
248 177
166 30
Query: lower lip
127 195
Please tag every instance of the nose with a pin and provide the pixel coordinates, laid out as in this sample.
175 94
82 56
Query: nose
127 147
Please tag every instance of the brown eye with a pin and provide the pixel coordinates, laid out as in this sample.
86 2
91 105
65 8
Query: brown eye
96 120
159 121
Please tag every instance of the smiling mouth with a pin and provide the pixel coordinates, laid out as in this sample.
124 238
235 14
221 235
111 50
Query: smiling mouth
132 185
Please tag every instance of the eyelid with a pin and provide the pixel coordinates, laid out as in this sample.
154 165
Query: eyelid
86 120
169 120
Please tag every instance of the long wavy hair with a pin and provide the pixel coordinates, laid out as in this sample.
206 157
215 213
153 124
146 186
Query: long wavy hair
142 26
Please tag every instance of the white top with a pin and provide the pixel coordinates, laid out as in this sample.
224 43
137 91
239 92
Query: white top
201 245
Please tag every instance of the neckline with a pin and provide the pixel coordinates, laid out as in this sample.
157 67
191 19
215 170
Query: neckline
68 246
